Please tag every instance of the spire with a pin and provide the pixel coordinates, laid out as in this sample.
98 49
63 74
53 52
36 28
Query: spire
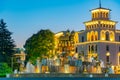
99 3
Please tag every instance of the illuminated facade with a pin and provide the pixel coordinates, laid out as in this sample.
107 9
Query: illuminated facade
100 38
65 42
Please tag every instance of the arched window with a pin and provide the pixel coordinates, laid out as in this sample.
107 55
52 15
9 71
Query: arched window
112 36
96 15
96 35
107 36
102 35
92 36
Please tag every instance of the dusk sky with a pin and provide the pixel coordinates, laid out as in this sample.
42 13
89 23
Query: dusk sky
26 17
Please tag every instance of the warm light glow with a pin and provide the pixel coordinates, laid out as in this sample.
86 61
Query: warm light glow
37 70
108 22
91 23
107 54
100 10
99 41
92 36
112 67
88 36
76 37
58 34
112 36
66 69
102 34
17 75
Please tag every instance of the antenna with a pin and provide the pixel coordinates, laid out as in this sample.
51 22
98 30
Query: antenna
100 3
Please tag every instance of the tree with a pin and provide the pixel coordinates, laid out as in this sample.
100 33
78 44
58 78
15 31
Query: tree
39 44
4 69
6 43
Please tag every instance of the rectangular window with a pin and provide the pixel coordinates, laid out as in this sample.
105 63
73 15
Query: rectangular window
119 38
76 49
119 49
107 48
82 39
119 60
96 48
107 58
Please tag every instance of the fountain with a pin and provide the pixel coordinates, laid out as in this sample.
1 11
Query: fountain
30 68
102 64
38 67
110 70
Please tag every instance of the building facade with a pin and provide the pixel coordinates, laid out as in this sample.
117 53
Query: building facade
65 42
100 38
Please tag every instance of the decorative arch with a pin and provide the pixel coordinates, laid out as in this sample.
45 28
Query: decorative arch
92 36
112 36
102 35
96 35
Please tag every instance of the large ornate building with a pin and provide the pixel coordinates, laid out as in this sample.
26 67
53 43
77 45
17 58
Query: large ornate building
100 38
65 42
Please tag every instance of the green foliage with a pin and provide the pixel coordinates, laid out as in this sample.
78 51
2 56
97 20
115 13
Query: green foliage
6 43
40 44
4 69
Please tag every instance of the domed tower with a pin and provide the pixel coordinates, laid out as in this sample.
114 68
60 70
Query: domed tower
99 39
100 27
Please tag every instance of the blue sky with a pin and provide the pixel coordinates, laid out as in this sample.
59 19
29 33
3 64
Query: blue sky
26 17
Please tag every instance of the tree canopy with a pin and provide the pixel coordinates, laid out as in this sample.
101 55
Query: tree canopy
39 44
4 69
6 43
